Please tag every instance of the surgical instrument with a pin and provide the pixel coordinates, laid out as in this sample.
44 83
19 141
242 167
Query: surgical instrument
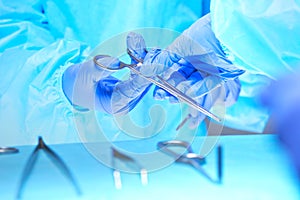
183 121
162 84
131 163
191 158
190 115
8 150
55 159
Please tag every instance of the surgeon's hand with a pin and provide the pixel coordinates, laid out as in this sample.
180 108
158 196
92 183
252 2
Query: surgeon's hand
80 82
195 63
206 90
282 98
88 86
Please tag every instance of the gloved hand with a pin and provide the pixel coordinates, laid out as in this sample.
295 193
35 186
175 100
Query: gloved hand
205 89
196 63
80 82
89 86
282 98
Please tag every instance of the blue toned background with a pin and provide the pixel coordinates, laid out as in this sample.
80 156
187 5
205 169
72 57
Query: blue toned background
39 39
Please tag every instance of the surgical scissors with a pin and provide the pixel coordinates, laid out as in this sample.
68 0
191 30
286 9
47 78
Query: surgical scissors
56 160
161 83
191 158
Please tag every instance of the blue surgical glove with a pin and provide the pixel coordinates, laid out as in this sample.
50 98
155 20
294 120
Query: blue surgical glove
155 62
89 86
195 63
282 98
205 89
80 83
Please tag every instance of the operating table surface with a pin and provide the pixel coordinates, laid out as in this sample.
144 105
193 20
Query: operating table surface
254 167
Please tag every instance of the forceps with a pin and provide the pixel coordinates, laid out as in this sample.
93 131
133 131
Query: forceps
161 83
191 158
131 162
55 159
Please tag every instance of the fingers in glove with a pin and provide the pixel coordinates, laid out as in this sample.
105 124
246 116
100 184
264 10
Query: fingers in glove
137 46
188 85
175 75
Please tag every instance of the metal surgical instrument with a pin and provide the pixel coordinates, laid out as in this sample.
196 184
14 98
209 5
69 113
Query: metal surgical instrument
129 161
8 150
190 115
191 158
55 159
161 83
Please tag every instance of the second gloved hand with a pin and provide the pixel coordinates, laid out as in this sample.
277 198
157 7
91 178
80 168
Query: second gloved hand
206 90
199 65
